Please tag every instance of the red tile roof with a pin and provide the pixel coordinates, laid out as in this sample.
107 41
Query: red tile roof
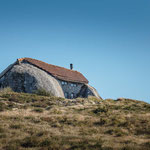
56 71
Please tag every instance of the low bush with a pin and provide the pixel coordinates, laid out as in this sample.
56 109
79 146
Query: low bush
100 109
15 126
2 106
5 90
29 142
2 130
39 110
43 92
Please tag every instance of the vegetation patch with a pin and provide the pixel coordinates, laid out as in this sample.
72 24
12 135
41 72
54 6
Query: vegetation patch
39 110
31 121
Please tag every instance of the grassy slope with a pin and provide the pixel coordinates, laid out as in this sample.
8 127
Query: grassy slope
37 122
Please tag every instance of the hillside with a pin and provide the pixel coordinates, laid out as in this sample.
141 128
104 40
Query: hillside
34 122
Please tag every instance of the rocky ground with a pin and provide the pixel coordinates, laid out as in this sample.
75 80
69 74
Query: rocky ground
30 121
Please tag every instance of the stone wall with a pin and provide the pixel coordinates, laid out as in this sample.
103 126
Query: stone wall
78 90
70 89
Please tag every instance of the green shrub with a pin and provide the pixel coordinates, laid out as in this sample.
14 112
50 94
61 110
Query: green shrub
131 147
5 90
15 126
95 99
2 106
43 92
2 135
100 109
110 131
147 144
116 131
12 146
41 133
45 142
2 130
103 121
39 110
30 142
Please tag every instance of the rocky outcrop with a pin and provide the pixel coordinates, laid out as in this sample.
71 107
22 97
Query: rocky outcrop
92 91
27 78
87 91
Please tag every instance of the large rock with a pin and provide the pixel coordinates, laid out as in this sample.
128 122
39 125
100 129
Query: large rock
92 91
87 91
27 78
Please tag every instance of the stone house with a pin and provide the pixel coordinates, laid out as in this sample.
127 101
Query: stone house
28 75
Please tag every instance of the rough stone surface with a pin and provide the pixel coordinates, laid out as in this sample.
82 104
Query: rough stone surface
71 88
87 90
27 78
92 91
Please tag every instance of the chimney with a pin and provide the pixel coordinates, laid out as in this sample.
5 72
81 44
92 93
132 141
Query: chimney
71 66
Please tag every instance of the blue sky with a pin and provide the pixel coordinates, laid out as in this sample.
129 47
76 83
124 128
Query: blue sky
108 41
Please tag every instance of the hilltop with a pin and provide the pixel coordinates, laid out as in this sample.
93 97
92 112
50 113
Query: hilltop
35 122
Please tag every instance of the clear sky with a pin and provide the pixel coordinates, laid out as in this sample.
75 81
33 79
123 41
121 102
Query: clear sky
106 40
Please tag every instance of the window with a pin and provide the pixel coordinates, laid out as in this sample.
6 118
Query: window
73 84
72 96
66 95
62 82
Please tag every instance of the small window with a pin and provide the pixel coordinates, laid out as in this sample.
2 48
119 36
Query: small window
66 83
66 95
62 82
75 85
72 96
72 84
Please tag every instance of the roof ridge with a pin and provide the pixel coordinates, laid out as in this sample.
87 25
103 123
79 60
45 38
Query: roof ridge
24 58
57 71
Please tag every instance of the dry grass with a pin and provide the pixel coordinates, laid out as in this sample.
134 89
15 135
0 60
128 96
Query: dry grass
29 121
